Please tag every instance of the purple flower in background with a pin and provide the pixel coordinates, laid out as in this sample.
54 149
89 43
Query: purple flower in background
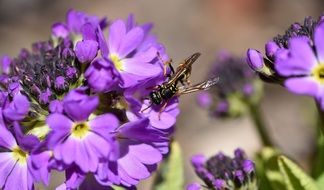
223 172
295 59
237 87
77 139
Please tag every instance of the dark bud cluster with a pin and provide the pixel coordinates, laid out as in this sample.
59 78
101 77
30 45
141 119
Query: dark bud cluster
47 71
298 29
222 172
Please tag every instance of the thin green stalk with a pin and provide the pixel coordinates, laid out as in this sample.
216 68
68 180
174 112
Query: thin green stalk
257 118
318 166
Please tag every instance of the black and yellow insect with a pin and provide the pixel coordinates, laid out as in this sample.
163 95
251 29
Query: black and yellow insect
169 89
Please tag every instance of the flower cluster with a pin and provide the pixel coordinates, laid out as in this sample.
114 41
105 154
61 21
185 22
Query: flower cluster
74 104
295 59
237 86
222 172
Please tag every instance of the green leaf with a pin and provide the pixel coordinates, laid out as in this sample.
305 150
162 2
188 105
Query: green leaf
294 177
320 181
170 175
267 170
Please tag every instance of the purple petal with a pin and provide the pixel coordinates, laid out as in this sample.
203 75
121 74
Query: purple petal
104 124
89 32
271 49
102 43
101 146
304 86
138 67
7 140
162 120
17 109
74 178
60 30
85 157
78 105
18 174
6 165
116 34
66 151
319 41
132 39
133 167
145 153
86 50
300 61
59 122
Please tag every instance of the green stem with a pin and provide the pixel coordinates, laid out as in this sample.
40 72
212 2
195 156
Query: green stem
256 116
318 166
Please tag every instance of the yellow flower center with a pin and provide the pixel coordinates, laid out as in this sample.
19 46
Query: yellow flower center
19 155
318 73
80 130
117 62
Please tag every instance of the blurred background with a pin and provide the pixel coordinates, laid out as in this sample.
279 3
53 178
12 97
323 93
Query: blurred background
184 27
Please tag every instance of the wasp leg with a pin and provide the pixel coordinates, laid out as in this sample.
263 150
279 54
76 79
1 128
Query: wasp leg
162 109
166 64
146 108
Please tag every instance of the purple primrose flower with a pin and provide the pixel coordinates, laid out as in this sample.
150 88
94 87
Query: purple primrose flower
295 59
73 104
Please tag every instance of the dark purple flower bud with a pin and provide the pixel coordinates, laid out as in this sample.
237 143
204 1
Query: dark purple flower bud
271 48
56 106
60 83
238 178
17 109
60 30
219 184
45 96
255 59
86 50
5 64
248 166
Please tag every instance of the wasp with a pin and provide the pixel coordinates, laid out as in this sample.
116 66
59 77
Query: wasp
161 94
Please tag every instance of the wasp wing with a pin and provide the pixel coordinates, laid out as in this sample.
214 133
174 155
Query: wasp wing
205 85
184 67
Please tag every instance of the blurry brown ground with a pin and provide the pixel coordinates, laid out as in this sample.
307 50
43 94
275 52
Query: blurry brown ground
187 26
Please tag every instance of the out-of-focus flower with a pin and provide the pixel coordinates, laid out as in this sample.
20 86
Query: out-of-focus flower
237 87
294 59
223 172
65 107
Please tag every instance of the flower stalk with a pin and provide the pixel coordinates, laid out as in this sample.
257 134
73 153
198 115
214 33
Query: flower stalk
259 122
